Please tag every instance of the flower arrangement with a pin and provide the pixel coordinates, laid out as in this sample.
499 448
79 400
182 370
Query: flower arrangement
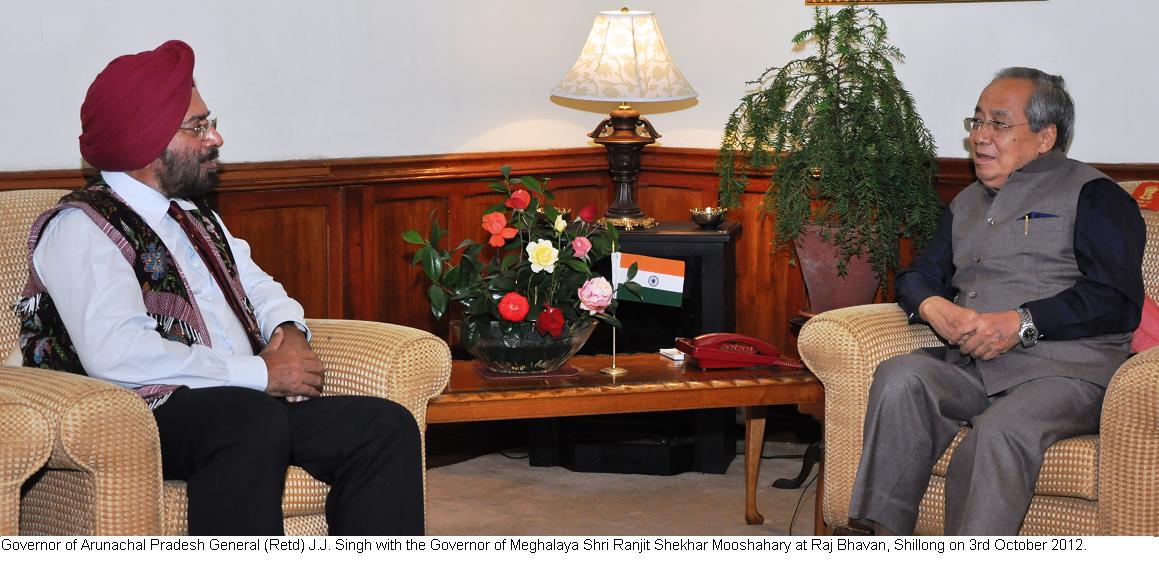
533 274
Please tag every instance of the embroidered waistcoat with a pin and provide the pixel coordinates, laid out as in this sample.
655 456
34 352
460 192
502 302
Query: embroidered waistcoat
44 340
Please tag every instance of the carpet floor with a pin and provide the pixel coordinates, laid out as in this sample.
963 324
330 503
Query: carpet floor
496 495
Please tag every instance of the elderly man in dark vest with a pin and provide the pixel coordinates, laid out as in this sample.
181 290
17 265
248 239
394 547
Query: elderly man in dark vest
135 280
1034 281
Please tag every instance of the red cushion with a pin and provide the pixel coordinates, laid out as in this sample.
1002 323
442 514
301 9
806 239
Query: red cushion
1147 195
1148 333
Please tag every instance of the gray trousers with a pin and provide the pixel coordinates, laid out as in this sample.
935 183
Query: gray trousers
918 402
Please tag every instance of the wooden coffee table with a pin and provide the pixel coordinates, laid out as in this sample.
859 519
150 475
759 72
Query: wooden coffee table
653 383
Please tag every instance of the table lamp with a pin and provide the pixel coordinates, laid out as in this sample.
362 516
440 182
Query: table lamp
625 61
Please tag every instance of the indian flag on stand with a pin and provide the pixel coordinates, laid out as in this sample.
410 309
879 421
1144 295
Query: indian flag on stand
661 280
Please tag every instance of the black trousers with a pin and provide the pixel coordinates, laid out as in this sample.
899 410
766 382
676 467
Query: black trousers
232 446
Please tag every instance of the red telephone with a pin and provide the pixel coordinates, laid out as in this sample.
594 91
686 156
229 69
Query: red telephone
713 351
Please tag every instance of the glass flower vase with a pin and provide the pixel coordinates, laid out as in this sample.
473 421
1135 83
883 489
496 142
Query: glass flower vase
522 349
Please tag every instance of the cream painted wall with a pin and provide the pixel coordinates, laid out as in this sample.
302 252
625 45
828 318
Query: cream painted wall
298 79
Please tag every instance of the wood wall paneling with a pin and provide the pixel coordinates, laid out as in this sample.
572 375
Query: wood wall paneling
395 290
296 236
330 229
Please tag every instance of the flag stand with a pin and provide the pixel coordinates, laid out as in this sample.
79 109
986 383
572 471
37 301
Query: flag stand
613 370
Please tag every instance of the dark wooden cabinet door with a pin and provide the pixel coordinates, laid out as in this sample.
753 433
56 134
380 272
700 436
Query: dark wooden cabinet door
296 236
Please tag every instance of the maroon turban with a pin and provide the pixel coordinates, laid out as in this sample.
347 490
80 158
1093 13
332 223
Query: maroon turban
134 107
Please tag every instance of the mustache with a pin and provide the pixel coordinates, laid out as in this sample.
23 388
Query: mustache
210 156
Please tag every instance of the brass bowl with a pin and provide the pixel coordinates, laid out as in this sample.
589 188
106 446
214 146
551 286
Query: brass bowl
708 217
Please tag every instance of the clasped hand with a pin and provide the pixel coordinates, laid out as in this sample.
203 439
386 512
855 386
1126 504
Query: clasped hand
983 336
293 367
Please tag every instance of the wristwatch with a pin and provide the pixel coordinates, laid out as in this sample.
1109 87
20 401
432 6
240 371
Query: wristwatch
1027 333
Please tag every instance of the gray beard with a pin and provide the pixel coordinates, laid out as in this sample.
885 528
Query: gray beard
181 178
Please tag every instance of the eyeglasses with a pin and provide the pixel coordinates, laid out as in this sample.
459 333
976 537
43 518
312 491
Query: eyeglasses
973 124
201 130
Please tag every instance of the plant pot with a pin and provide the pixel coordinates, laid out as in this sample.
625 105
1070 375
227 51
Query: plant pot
523 350
826 289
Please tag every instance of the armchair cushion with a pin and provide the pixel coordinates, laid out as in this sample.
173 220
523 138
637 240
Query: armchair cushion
1070 468
1147 334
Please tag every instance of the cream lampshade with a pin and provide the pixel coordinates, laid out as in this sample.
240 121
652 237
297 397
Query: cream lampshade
624 60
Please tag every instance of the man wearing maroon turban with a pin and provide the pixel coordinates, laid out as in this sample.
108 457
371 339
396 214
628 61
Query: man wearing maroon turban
135 280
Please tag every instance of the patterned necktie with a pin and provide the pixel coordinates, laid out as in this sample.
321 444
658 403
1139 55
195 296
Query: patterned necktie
197 234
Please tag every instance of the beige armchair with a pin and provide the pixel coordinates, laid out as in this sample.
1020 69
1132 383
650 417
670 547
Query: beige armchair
103 476
1092 484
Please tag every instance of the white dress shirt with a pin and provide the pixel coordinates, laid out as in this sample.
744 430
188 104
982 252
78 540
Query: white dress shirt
99 299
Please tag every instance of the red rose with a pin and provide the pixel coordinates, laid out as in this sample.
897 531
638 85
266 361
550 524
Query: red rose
590 213
518 200
550 321
513 307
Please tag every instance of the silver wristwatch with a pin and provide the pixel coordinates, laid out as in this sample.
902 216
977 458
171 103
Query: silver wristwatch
1027 333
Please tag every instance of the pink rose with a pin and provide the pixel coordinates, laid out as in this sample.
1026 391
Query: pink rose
590 213
582 246
513 307
518 200
595 295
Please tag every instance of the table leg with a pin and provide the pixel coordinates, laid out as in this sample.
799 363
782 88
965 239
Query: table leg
754 439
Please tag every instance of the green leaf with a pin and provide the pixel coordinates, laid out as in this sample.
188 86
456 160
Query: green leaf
479 306
531 183
432 264
578 265
632 270
610 320
613 232
438 301
453 277
413 237
503 284
473 251
469 336
437 232
506 171
601 243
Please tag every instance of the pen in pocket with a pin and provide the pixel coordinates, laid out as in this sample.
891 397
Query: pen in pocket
1032 214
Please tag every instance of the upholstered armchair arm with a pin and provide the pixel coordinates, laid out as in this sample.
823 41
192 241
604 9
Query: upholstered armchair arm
403 364
25 442
843 348
1129 449
400 363
104 472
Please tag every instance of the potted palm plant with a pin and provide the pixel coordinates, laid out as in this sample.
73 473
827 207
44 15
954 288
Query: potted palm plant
852 164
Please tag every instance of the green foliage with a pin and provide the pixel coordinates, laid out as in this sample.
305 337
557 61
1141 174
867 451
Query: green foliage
476 275
841 112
